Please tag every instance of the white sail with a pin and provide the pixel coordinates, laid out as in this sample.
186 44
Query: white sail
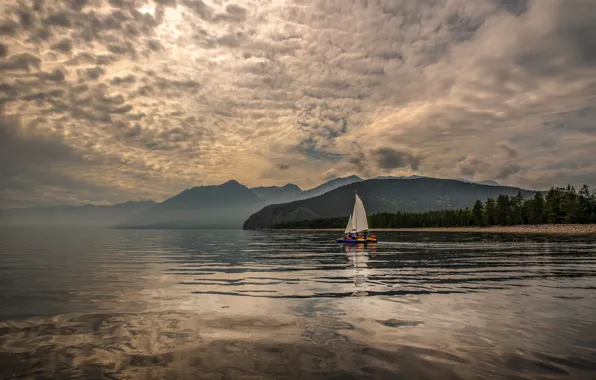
359 221
348 226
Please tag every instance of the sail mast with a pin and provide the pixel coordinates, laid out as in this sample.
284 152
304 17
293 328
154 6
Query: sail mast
354 225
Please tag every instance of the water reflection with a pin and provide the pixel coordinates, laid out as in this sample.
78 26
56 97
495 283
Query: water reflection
358 254
272 305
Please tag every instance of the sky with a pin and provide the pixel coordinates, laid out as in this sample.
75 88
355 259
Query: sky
115 100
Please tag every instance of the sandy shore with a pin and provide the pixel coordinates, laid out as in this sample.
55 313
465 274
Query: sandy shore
546 229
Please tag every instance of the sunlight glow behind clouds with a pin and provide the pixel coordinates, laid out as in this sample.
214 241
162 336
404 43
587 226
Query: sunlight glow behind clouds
147 98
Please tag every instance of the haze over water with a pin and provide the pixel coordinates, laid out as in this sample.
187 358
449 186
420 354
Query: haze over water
91 303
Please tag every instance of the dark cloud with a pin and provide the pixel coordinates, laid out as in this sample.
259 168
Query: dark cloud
509 149
8 28
517 7
78 5
26 18
3 50
64 46
283 166
123 109
233 13
508 170
58 19
129 79
57 75
469 166
106 59
154 45
122 49
21 62
30 156
568 43
389 158
577 29
359 160
309 148
199 7
95 72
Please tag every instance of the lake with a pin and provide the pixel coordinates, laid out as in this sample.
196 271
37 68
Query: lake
197 304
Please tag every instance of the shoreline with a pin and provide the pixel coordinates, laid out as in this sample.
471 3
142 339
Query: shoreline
542 229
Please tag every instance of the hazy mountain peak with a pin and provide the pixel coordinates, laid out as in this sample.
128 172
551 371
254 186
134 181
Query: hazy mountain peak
232 183
486 182
291 186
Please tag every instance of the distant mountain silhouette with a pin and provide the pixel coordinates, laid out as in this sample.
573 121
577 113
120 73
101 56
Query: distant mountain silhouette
330 185
222 206
87 215
399 177
227 205
382 195
278 194
487 182
216 206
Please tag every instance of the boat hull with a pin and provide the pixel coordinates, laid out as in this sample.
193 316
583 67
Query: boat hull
356 241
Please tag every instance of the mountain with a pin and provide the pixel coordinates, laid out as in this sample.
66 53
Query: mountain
399 177
216 206
85 216
382 195
278 194
330 185
291 192
223 206
486 183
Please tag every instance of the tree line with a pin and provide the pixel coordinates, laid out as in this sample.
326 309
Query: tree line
559 205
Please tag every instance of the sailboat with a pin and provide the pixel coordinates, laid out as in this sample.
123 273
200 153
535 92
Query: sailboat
357 225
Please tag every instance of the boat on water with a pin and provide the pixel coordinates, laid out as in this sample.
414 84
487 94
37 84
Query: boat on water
356 231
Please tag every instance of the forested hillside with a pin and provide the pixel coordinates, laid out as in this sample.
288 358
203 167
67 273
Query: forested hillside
557 206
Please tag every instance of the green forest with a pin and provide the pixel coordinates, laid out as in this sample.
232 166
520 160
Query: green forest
559 205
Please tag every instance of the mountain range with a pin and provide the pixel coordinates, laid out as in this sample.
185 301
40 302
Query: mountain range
382 195
227 205
217 206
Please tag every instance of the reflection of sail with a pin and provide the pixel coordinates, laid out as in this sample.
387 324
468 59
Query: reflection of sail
358 258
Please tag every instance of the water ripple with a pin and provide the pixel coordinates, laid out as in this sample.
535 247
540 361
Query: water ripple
245 304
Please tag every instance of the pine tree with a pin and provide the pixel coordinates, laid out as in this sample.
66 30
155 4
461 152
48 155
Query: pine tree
503 210
584 204
490 212
570 205
477 214
553 206
535 208
517 209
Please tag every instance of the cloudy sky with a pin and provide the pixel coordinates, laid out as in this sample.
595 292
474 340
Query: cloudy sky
110 100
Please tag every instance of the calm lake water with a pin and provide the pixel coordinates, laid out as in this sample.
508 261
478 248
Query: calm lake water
153 304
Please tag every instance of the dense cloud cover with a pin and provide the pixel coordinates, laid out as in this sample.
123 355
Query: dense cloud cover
110 100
